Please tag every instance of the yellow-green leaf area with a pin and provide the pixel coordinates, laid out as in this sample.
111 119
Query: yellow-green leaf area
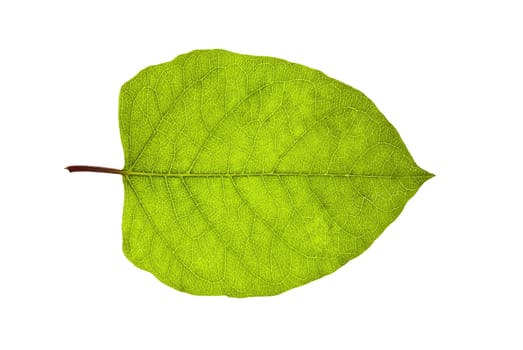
249 176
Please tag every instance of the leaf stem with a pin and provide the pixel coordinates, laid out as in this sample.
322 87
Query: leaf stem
95 169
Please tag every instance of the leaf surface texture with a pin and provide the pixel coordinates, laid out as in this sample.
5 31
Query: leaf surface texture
248 176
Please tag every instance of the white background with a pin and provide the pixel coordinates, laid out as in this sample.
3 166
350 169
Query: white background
446 275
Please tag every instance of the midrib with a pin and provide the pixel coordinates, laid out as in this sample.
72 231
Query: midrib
183 175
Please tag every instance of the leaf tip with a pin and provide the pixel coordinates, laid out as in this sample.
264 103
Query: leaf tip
427 175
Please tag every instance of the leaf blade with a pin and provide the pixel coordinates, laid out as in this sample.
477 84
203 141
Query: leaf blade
253 175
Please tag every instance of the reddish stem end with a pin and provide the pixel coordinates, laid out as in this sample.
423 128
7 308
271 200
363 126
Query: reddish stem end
94 169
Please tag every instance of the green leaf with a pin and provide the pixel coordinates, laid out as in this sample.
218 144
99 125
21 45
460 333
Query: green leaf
248 176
